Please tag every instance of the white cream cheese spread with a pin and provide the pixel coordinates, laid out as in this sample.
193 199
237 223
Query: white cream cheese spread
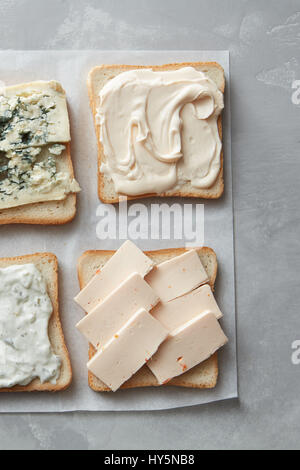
159 130
34 126
25 309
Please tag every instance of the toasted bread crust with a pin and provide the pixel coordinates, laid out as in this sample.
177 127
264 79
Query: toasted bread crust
18 215
203 193
144 377
55 327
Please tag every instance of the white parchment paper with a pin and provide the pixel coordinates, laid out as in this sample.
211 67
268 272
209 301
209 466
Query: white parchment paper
70 241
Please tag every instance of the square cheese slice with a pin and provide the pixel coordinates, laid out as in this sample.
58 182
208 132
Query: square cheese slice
128 350
111 314
177 276
176 312
34 97
187 346
127 260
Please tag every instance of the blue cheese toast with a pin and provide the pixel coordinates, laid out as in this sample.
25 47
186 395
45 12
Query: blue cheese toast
37 182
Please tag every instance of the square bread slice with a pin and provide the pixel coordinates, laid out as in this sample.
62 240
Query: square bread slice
98 77
205 375
46 212
47 264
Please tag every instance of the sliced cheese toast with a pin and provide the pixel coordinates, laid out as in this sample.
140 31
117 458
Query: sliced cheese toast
38 141
99 76
47 264
204 375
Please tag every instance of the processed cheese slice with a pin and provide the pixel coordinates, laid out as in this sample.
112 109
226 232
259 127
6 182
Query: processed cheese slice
111 314
177 276
127 260
187 346
176 312
128 350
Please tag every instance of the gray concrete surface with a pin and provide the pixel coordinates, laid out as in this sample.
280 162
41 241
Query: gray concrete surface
263 39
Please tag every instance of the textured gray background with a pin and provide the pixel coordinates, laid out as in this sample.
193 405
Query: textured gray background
263 38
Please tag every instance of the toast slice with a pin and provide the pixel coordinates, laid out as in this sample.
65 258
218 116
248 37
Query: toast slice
98 77
204 375
47 264
50 212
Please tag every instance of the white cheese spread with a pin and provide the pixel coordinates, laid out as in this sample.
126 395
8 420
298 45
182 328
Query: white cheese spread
159 130
25 310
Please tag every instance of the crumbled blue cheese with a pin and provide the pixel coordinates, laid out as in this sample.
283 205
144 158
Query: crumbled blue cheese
32 126
24 121
56 149
25 310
